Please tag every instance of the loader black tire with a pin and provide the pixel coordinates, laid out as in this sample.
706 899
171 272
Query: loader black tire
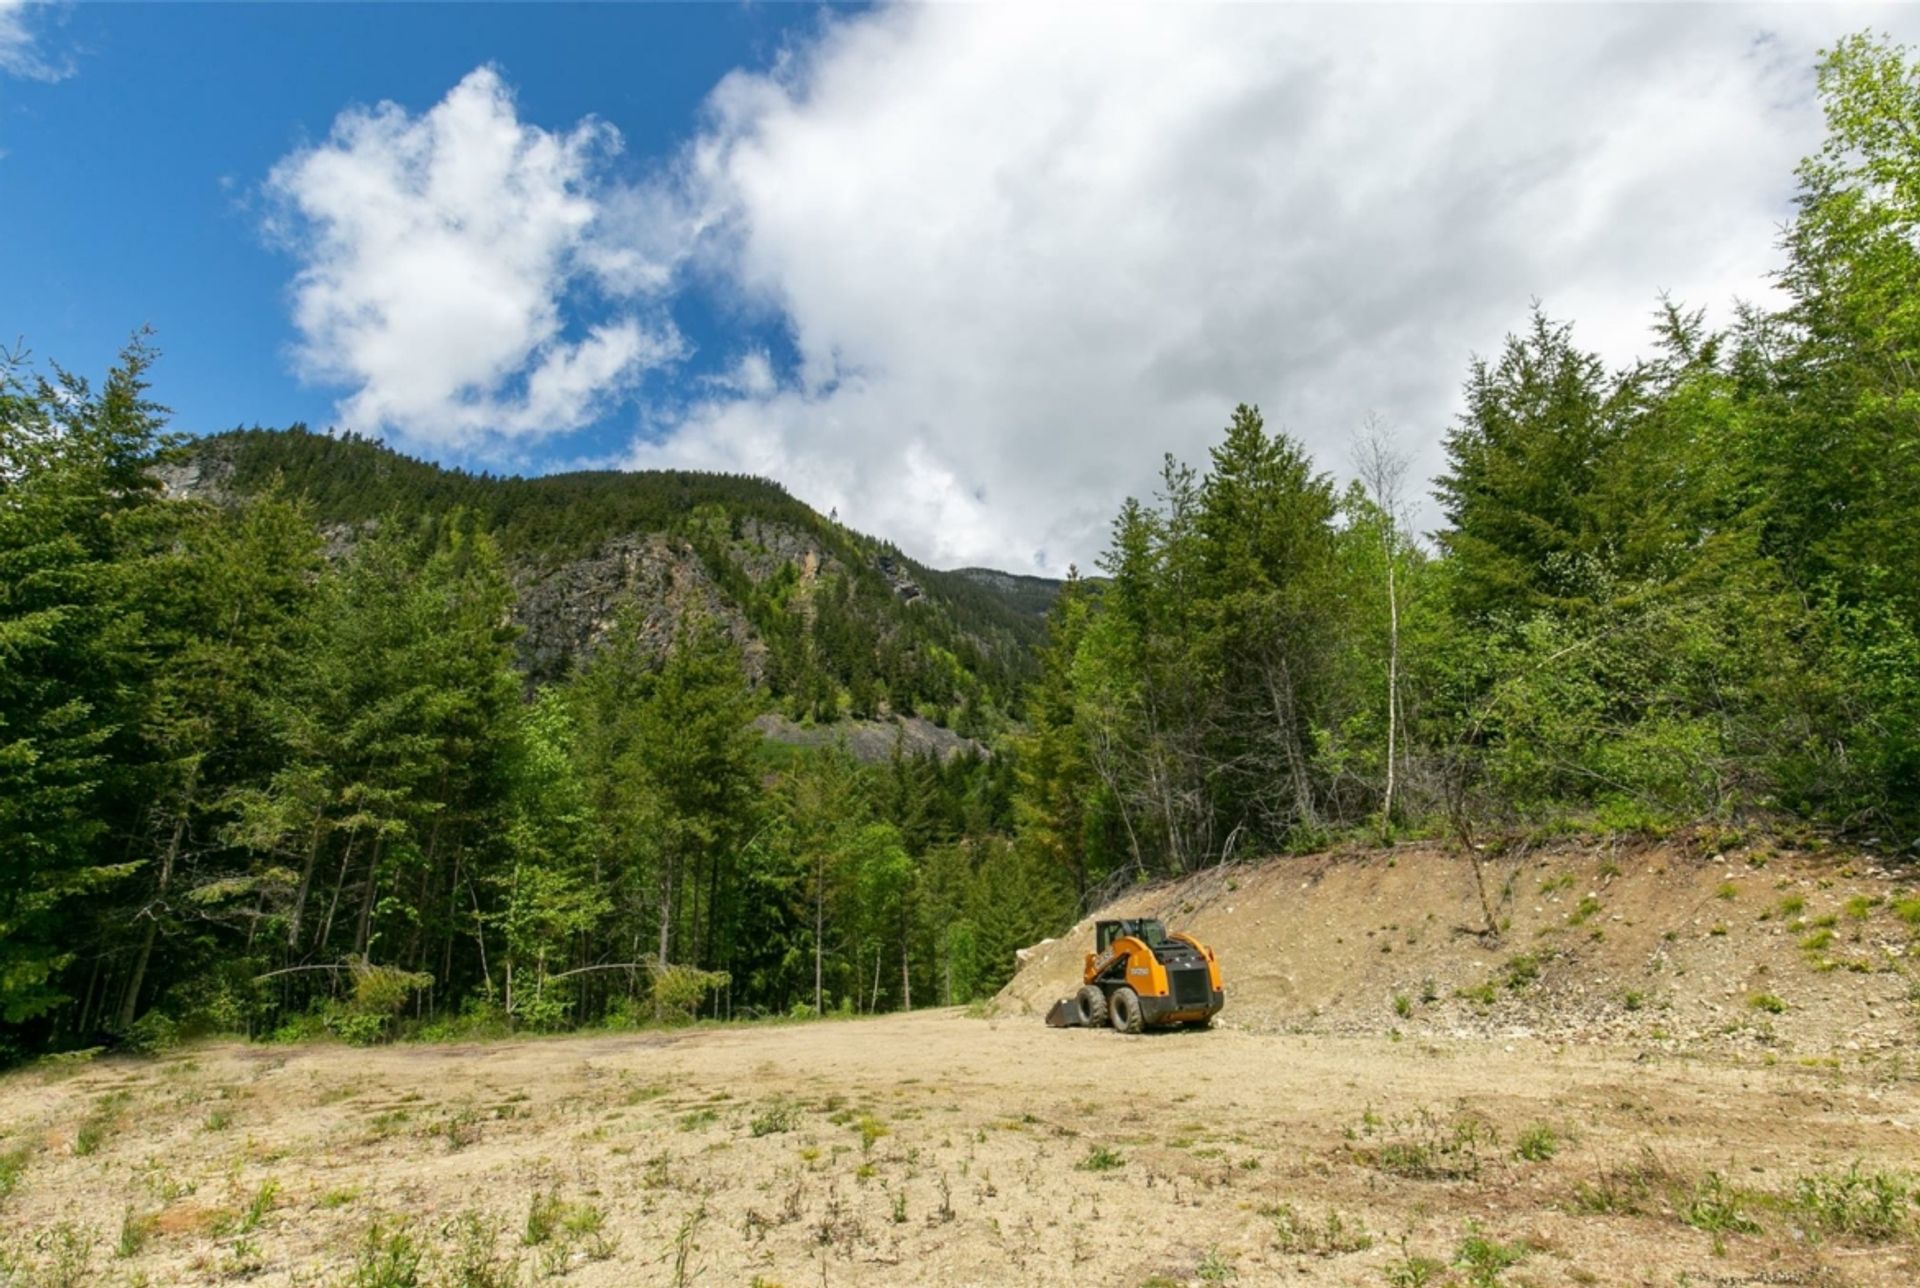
1123 1009
1093 1005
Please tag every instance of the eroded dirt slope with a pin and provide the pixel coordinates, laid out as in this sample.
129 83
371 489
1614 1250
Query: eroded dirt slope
1674 944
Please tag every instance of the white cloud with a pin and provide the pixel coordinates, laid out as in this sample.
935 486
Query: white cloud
1022 250
441 255
20 53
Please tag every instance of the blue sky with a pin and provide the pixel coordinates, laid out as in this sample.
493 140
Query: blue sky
962 272
130 190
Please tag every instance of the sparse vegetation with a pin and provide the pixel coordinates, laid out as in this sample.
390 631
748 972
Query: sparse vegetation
1859 1203
1333 1234
1537 1144
1485 1260
1422 1145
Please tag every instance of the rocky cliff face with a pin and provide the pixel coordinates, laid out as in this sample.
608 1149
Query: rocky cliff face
566 610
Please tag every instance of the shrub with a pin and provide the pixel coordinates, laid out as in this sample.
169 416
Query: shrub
379 994
152 1034
678 991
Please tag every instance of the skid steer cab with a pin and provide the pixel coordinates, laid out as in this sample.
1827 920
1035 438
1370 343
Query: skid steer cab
1140 977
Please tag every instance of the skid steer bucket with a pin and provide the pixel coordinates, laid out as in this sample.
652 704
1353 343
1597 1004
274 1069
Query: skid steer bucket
1066 1014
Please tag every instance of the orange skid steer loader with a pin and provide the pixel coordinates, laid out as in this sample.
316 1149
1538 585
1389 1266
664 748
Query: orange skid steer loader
1140 977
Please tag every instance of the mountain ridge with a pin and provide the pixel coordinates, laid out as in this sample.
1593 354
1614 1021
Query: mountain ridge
831 622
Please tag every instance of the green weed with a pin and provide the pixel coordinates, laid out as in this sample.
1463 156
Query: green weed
1412 1270
1537 1144
389 1257
1719 1209
1874 1206
1333 1235
777 1116
135 1229
1484 1260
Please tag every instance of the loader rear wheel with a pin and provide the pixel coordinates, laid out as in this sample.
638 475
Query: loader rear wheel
1124 1010
1093 1005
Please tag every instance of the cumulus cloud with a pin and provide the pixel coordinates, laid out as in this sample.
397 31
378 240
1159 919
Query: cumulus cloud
1022 250
20 52
447 261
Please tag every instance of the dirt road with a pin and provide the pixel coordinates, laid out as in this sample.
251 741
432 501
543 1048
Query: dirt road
941 1149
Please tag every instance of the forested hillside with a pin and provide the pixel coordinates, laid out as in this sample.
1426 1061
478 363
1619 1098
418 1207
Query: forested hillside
839 623
304 749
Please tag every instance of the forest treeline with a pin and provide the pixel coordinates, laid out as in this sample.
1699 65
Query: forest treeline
247 787
1686 589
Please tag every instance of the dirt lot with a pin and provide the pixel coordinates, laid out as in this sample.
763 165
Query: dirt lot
943 1149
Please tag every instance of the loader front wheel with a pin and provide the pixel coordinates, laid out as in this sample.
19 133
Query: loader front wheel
1093 1005
1124 1010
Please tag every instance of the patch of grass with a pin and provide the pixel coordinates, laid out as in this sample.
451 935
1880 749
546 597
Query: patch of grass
1215 1268
135 1229
389 1257
1411 1270
560 1227
1100 1159
871 1129
1483 994
1719 1209
473 1260
99 1123
1623 1190
1908 910
1520 971
62 1258
1331 1236
1768 1002
777 1116
699 1118
1727 890
259 1206
1792 906
1861 906
1633 1000
1537 1144
339 1197
1484 1260
1583 911
1877 1207
1423 1145
217 1119
13 1164
1402 1005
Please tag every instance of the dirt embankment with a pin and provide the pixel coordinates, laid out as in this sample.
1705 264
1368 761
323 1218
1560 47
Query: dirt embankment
1676 943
